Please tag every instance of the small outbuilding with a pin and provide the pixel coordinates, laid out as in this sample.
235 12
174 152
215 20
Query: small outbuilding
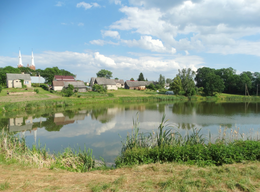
137 85
110 84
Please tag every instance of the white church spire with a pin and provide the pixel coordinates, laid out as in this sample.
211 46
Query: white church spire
20 60
32 64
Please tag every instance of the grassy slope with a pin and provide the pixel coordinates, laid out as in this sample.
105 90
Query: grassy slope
152 177
132 93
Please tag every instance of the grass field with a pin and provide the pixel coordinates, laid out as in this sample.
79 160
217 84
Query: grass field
132 93
152 177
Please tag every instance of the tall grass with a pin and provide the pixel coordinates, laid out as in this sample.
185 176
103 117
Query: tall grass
14 147
193 148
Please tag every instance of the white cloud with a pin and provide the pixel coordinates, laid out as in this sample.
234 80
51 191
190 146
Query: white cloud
64 23
86 65
87 5
147 42
204 25
102 42
113 34
59 4
81 24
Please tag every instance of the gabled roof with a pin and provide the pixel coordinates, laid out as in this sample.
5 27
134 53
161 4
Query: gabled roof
104 81
138 83
37 79
14 76
64 78
58 83
121 81
76 84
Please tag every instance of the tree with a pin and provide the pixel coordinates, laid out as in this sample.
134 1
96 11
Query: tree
132 79
116 78
176 85
187 80
5 70
104 73
169 81
141 77
213 83
201 75
151 86
161 80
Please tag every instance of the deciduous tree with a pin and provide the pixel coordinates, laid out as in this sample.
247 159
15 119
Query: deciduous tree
104 73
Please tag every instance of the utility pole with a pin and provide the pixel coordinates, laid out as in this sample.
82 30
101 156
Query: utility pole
257 90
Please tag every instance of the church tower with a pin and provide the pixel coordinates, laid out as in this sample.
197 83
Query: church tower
20 64
32 66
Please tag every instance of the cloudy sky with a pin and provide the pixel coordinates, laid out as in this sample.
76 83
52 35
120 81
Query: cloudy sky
131 36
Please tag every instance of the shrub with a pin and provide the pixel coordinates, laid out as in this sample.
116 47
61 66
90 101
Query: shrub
36 90
45 87
99 88
111 95
151 86
69 91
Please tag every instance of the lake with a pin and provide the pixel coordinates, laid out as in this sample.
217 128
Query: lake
102 128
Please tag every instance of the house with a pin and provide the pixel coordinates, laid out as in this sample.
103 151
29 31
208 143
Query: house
120 83
39 79
13 80
92 81
137 85
78 85
63 78
110 84
57 85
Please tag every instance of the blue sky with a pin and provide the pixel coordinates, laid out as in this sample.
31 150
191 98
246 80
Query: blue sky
131 36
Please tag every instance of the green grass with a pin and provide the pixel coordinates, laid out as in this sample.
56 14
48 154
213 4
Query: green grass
4 186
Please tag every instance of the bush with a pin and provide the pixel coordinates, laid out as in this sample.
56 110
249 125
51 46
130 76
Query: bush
45 87
151 86
99 88
111 95
36 90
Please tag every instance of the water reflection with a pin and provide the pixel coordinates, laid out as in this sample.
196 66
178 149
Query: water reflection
98 126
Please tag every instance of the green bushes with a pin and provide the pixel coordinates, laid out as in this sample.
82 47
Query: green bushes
45 87
36 91
99 88
210 154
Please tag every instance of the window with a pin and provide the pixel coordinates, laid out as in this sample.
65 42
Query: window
26 82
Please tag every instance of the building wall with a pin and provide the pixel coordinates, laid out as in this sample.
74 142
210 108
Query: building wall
17 83
57 88
9 84
119 85
82 90
111 87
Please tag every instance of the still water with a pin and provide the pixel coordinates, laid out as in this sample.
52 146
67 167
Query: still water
100 127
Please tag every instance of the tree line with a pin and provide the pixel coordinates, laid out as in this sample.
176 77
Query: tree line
211 81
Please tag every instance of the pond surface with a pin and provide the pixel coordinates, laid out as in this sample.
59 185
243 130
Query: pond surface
100 127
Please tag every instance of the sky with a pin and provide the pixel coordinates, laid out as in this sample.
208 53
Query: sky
128 37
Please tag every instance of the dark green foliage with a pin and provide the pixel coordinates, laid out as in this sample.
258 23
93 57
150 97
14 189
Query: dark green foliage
151 86
69 91
187 80
1 88
161 81
5 70
45 87
99 88
207 154
141 77
49 73
36 90
104 73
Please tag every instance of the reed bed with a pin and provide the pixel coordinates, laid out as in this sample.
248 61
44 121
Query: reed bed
13 147
165 145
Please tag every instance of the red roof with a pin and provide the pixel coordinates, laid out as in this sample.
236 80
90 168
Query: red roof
64 78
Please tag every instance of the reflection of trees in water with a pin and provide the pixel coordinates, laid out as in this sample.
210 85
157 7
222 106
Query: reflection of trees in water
184 108
69 113
207 108
186 126
95 113
50 125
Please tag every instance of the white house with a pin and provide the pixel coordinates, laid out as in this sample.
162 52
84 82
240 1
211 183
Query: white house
13 80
